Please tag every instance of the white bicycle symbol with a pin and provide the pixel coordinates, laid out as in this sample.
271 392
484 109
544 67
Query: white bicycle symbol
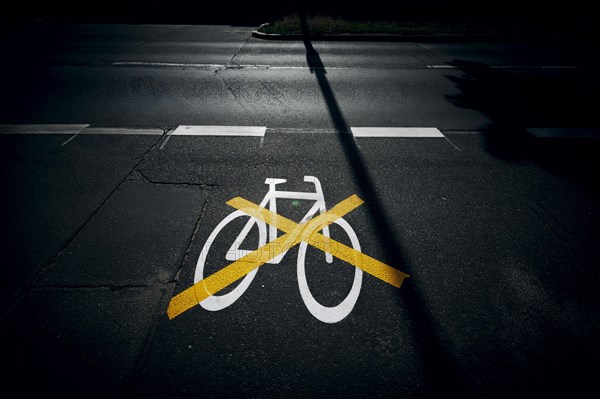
325 314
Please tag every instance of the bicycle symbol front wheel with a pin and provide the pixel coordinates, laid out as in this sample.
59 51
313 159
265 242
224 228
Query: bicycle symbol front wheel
330 314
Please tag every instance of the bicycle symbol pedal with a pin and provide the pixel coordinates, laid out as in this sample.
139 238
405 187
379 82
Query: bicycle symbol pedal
308 232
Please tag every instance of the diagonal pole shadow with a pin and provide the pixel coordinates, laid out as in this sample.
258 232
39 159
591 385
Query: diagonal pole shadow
440 370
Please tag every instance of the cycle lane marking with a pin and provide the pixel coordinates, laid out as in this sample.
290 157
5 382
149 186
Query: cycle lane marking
203 289
297 232
348 254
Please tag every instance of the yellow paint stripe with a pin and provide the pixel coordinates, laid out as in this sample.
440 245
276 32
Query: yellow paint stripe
348 254
195 294
228 275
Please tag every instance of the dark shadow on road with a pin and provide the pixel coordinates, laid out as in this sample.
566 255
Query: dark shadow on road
517 99
439 368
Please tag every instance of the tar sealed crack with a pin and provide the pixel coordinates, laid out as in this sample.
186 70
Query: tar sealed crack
173 183
186 254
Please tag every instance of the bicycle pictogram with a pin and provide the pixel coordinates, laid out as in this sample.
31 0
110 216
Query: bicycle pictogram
246 262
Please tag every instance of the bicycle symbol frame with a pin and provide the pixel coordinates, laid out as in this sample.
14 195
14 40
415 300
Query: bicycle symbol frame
245 262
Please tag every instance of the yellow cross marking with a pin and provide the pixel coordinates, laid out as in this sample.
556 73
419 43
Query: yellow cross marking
294 234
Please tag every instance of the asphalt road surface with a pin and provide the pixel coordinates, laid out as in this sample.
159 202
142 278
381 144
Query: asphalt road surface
476 168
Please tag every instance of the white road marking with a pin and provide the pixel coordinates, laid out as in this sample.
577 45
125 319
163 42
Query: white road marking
326 314
249 131
67 141
166 140
452 144
483 66
236 66
190 65
259 131
396 132
115 131
304 67
122 131
166 64
42 129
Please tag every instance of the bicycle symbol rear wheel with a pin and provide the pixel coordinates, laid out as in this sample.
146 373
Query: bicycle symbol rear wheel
330 314
326 314
219 302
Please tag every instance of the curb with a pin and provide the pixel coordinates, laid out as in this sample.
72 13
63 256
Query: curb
380 37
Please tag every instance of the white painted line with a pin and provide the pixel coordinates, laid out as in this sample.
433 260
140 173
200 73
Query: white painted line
565 132
246 66
189 65
121 131
42 129
300 67
452 144
166 64
67 141
225 66
483 66
166 140
250 131
396 132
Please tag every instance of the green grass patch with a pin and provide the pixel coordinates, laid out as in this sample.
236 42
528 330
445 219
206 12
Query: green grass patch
328 25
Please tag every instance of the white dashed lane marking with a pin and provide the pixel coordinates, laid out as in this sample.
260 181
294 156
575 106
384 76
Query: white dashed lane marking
246 131
42 129
259 131
396 132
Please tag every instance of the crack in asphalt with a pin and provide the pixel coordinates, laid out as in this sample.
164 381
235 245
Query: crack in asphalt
161 306
238 51
53 260
186 254
174 183
230 89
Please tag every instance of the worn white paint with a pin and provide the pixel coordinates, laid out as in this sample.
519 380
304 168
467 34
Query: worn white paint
483 66
122 131
166 64
42 128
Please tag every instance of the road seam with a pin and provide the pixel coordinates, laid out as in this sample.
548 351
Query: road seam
52 261
191 240
33 283
163 302
238 51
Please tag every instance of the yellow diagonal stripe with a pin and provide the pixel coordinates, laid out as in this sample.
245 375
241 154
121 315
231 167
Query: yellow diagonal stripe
348 254
189 298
